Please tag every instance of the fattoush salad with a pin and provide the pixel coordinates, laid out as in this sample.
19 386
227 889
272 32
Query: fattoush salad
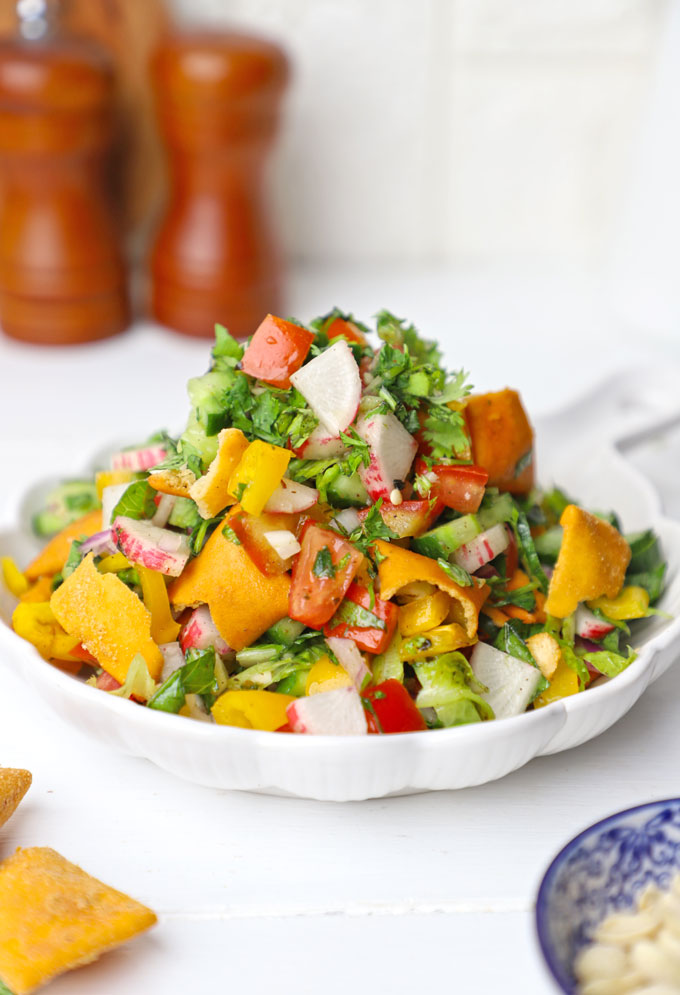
344 540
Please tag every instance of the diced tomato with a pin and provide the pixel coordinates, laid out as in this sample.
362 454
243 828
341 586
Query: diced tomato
391 709
460 487
372 639
410 518
251 529
313 599
81 653
277 349
107 683
348 330
285 728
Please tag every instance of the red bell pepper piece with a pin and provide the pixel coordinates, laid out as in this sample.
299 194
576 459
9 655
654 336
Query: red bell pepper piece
320 580
460 487
390 708
373 639
277 349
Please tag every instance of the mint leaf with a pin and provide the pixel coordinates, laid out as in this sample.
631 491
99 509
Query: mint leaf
323 564
456 573
137 502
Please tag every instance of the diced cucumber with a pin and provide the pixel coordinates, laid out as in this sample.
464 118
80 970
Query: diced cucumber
184 514
295 684
444 540
645 551
285 631
252 655
347 492
548 544
208 397
65 504
196 436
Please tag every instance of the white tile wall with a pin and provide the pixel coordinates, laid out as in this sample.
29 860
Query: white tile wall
420 130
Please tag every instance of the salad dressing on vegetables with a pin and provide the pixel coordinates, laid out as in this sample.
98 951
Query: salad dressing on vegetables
344 540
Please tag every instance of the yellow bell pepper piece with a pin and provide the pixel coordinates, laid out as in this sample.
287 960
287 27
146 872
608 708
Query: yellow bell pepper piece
211 491
424 613
252 709
443 639
632 602
107 478
258 474
113 564
36 623
564 682
15 582
164 629
326 676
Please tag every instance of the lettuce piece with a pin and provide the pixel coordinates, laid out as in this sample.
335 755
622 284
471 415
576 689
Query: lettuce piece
611 664
447 681
138 682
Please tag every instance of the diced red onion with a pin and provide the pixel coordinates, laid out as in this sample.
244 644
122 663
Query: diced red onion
101 543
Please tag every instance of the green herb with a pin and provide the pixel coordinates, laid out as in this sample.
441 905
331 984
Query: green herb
74 558
617 623
195 676
527 550
373 527
181 455
651 580
226 352
554 502
523 462
129 577
323 564
611 664
574 662
368 706
323 323
356 617
199 535
509 641
360 448
229 534
137 502
457 574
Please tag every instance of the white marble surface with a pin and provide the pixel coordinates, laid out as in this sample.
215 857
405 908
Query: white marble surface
256 893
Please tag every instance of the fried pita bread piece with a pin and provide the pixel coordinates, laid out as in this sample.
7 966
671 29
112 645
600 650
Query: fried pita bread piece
54 916
13 786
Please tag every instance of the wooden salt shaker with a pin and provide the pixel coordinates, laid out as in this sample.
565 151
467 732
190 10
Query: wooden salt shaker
61 273
214 258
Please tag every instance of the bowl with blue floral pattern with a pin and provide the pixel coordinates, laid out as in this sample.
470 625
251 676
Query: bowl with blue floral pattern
601 871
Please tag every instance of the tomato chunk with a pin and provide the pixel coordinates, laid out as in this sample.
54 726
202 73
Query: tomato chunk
277 349
372 639
410 518
322 573
390 708
348 330
460 487
251 530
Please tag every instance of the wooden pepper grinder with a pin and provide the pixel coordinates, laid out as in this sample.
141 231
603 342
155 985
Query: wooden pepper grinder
214 259
61 273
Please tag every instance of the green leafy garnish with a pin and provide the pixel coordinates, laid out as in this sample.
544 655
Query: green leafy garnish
611 664
356 617
373 527
196 676
227 352
457 574
323 564
137 501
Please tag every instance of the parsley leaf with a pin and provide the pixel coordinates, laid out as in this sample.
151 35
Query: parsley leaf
457 574
226 352
137 501
373 527
323 564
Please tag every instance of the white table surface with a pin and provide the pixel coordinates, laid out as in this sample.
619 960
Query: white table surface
264 894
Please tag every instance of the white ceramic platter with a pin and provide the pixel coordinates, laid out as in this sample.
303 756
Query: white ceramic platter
582 448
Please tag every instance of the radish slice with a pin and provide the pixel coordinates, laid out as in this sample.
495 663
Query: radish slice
331 385
482 549
350 659
283 542
321 445
111 495
329 713
392 451
163 510
200 633
511 682
291 497
348 518
588 626
173 659
138 459
146 544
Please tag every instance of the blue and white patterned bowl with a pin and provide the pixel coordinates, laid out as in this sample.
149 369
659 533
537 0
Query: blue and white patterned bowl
600 871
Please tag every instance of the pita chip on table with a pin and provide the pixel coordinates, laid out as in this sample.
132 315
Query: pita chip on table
13 786
54 917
